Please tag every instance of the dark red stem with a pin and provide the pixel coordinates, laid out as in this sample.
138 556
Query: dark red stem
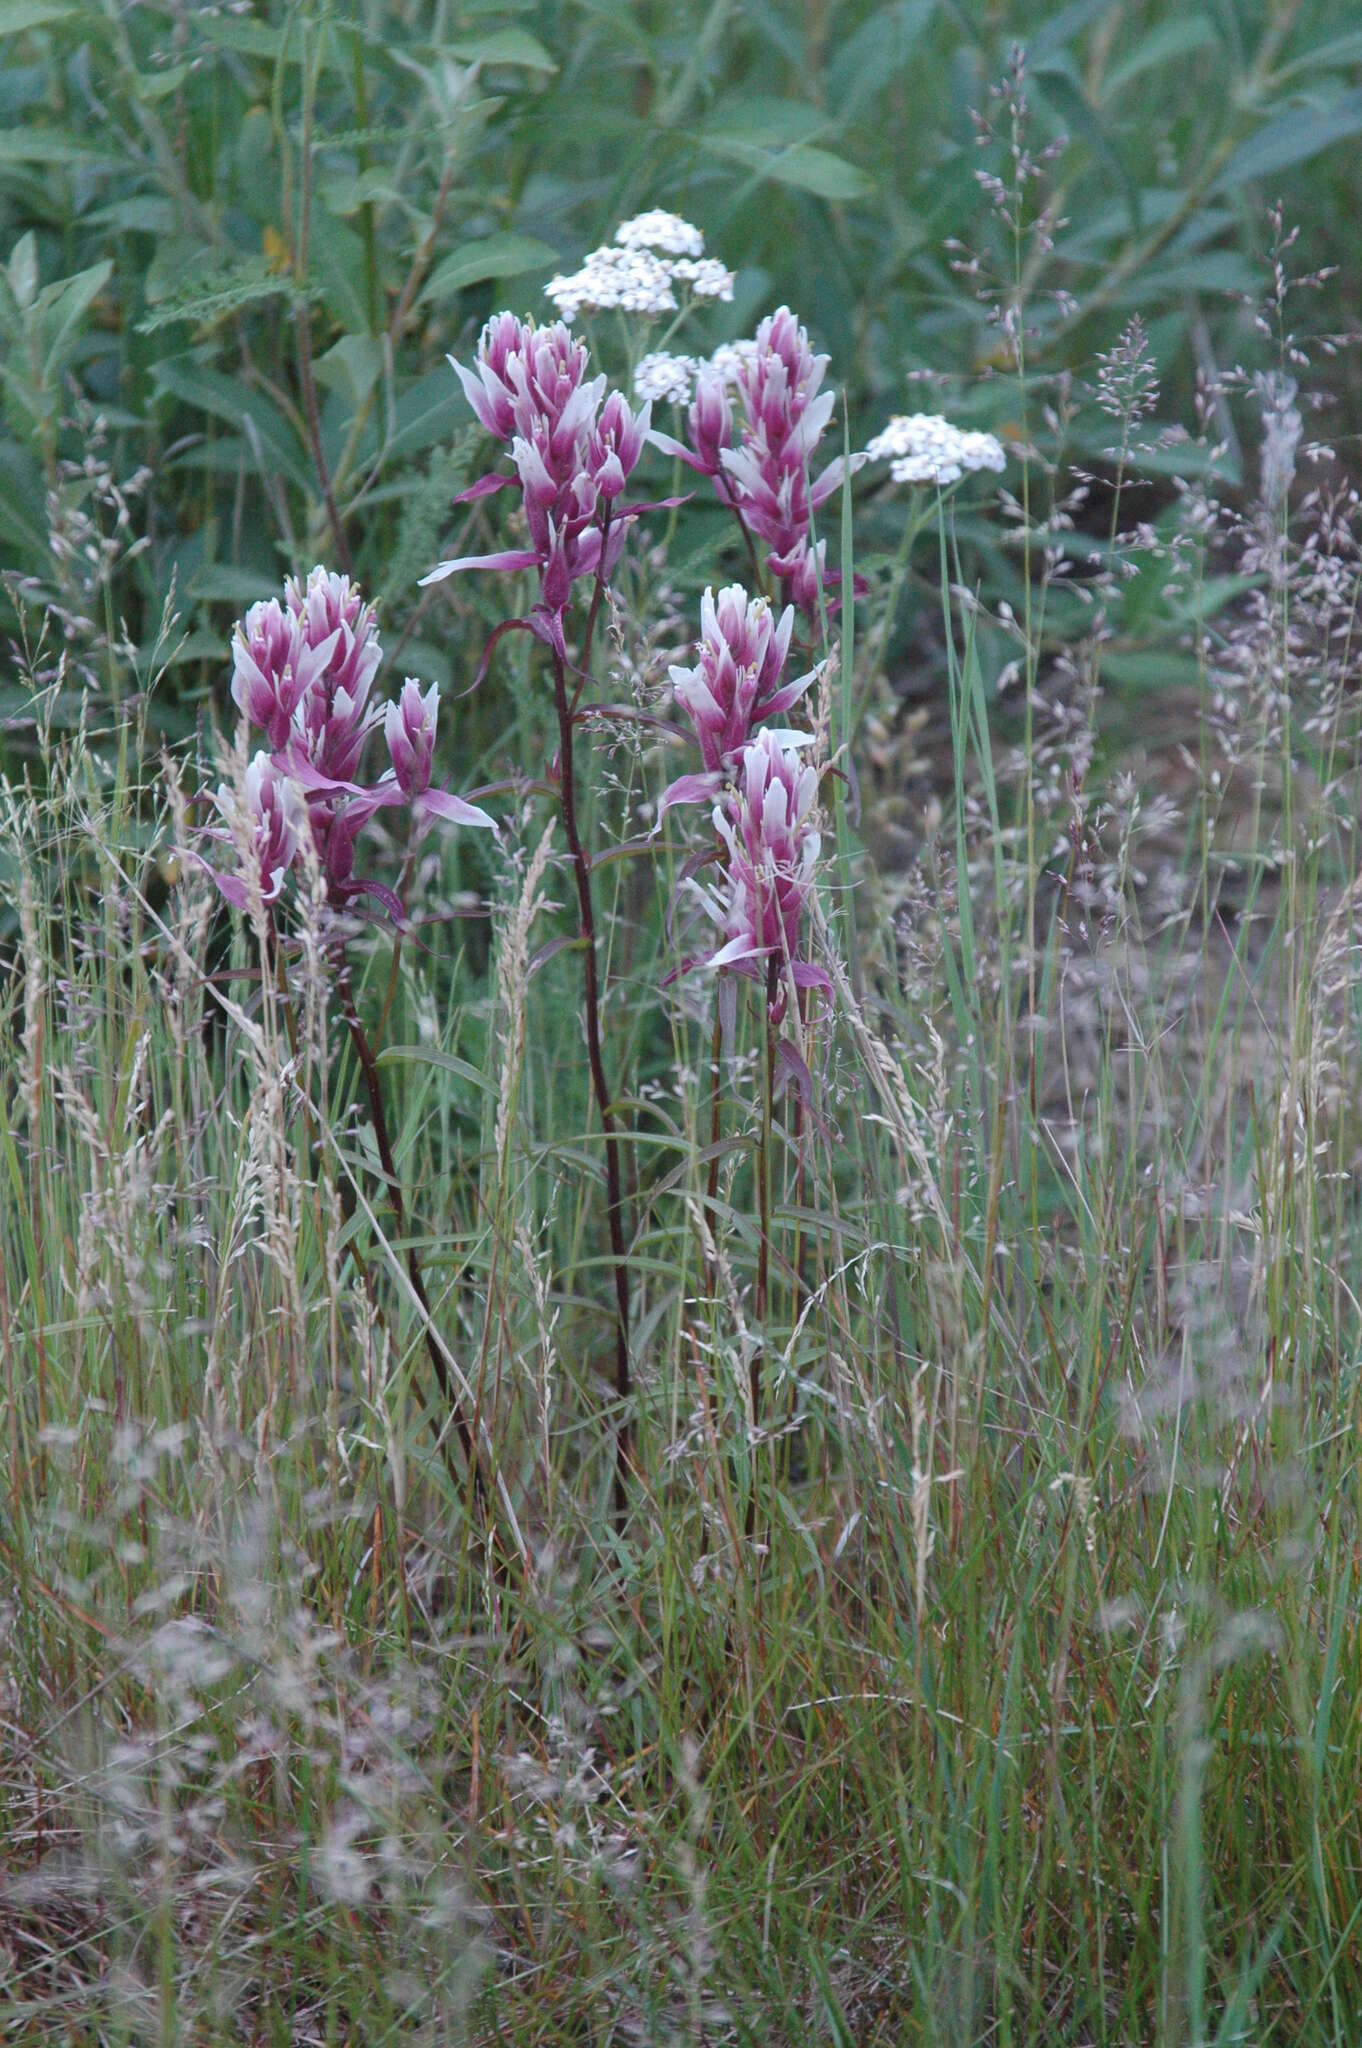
581 864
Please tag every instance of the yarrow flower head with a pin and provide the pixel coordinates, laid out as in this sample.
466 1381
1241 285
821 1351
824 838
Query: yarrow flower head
768 828
665 232
318 654
638 271
924 448
735 685
632 280
707 277
664 379
573 448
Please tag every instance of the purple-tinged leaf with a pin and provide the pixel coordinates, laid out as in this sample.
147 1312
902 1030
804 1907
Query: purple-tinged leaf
485 487
509 558
442 803
792 1072
688 789
542 956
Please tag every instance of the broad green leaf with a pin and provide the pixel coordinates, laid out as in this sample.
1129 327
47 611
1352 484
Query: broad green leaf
63 305
345 194
159 85
18 15
353 366
23 271
1208 270
1058 84
493 256
252 38
1176 38
25 146
254 415
336 264
801 166
428 411
765 119
21 502
503 46
1292 138
1061 29
875 53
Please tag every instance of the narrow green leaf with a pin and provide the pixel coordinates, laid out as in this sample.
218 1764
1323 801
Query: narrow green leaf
503 46
249 411
802 166
18 15
494 256
1292 138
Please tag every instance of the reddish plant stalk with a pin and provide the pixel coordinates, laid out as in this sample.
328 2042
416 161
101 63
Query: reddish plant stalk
586 919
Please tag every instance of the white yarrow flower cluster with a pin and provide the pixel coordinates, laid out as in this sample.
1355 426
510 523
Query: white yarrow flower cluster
637 271
671 380
729 358
924 448
665 232
665 379
707 277
634 280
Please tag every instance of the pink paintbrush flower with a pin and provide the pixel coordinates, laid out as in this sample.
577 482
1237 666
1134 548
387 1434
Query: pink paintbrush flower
734 686
765 474
766 825
573 448
334 717
273 817
305 671
409 728
273 665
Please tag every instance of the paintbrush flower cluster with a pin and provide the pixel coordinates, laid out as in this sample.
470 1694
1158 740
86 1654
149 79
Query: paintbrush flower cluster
753 427
302 674
574 447
765 834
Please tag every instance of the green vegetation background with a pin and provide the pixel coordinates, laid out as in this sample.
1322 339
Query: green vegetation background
195 199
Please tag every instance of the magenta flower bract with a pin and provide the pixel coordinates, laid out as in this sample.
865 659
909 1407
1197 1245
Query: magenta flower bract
573 448
304 671
409 728
772 844
333 716
273 664
274 818
767 477
734 686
